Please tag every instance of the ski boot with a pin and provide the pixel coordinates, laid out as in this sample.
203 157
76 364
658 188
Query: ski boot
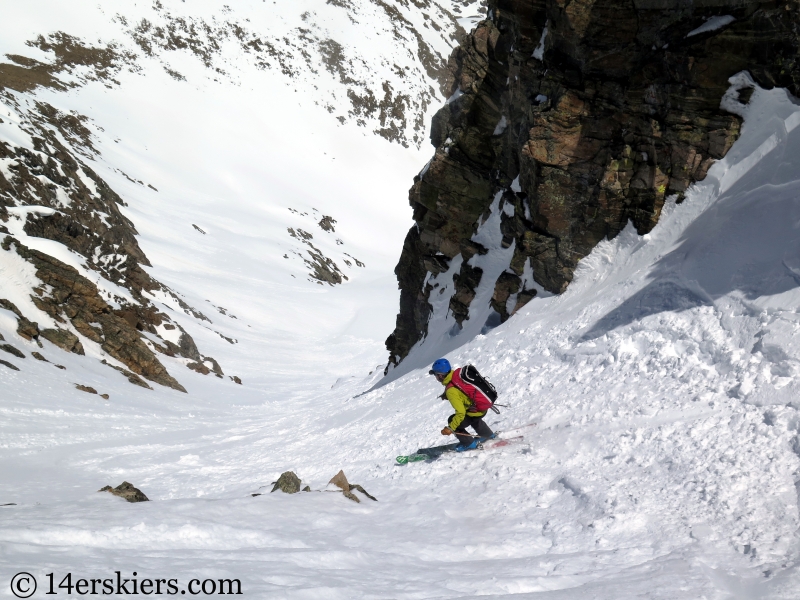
471 446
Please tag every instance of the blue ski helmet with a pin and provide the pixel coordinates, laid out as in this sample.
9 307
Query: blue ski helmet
441 366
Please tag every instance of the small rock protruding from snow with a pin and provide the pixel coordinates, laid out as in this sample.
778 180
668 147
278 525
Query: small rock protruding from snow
11 350
288 483
327 223
340 481
9 365
128 491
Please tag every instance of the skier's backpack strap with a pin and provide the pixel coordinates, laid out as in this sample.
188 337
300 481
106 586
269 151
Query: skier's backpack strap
455 380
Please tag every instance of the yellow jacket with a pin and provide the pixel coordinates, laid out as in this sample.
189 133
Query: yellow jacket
460 402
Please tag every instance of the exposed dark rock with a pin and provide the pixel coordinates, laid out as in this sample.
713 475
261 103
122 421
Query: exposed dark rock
26 74
127 491
38 356
91 223
466 282
236 379
75 298
323 269
11 350
199 367
185 346
288 482
27 78
8 364
132 377
581 130
214 366
340 481
327 224
523 298
507 285
85 388
25 328
355 486
7 304
64 339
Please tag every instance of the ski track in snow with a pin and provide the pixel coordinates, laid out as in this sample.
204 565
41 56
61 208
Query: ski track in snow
663 382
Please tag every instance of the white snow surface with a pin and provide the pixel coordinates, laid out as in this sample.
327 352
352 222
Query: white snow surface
538 52
712 24
663 382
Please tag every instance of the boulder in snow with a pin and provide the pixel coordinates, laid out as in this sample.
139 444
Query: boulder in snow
288 483
340 481
127 491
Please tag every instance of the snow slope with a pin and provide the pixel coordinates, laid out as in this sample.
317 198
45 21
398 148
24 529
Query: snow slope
663 463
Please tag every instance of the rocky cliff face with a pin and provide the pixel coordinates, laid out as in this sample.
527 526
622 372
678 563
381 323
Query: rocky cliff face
578 116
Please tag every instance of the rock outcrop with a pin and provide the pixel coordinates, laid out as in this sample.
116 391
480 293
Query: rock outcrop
340 481
357 87
51 190
67 296
127 491
582 115
288 483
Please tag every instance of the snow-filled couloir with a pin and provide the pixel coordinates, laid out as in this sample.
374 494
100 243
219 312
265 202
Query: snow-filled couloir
656 395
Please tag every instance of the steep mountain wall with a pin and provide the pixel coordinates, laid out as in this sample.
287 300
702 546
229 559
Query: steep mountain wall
579 115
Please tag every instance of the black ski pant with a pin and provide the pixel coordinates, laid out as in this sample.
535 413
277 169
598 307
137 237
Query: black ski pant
481 428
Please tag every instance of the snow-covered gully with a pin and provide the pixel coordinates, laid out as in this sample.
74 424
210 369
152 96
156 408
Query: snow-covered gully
662 464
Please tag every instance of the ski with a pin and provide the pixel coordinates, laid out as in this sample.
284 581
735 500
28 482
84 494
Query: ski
435 452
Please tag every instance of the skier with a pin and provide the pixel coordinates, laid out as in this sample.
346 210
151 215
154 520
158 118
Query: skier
465 415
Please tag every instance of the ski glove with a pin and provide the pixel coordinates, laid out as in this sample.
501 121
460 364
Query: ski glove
447 431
